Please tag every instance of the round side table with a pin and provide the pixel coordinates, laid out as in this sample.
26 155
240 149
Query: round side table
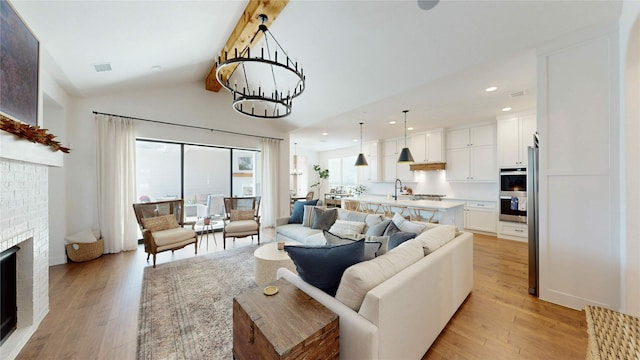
268 259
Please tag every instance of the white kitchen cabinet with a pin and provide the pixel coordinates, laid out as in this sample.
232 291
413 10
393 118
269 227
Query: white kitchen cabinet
372 171
391 170
515 134
513 231
471 154
428 147
481 216
478 135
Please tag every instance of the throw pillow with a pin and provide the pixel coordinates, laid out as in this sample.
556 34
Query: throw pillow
378 229
158 223
323 266
398 219
396 236
358 279
370 247
323 218
406 225
242 215
298 210
307 217
84 236
347 228
435 238
172 223
391 229
383 240
351 215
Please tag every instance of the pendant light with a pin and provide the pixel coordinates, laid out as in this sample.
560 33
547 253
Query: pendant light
405 154
295 170
361 160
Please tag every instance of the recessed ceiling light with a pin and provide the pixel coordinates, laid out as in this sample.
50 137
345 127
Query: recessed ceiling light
506 109
491 88
156 68
325 134
355 140
392 122
410 128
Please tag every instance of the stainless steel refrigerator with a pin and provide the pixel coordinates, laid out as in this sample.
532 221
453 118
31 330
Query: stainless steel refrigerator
532 215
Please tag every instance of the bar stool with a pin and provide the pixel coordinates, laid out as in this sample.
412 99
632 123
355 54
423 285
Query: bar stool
415 214
351 205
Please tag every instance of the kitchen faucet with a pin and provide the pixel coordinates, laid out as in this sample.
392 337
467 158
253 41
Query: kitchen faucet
395 189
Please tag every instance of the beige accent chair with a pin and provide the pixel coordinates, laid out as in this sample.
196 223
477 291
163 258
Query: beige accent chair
162 228
241 219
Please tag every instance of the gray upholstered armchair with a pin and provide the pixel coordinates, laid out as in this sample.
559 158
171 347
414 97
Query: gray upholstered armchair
242 218
162 228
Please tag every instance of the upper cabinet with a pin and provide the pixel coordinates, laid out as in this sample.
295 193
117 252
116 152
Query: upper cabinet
391 170
515 134
371 172
428 147
471 154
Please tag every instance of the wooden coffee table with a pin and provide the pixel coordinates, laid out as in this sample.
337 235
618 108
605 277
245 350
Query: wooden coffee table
287 325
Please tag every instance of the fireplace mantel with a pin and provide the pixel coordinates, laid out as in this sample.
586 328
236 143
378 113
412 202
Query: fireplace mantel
15 148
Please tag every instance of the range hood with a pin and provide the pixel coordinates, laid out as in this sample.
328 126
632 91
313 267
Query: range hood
427 167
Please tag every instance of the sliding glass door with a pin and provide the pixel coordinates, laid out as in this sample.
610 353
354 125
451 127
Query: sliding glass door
201 175
206 180
158 171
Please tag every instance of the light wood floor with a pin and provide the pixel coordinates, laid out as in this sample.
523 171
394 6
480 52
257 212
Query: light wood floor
94 309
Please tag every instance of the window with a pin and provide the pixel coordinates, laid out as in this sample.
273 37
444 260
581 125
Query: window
343 175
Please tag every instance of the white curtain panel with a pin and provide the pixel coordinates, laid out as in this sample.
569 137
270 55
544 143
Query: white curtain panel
270 166
116 158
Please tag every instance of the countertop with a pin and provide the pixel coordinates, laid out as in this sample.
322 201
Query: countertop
440 205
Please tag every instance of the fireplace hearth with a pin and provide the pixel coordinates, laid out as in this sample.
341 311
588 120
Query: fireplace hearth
8 293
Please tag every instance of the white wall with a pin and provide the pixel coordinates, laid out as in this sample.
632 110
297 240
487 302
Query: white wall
185 104
54 101
630 159
578 122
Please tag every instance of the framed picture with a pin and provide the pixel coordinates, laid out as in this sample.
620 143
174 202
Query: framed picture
19 51
245 163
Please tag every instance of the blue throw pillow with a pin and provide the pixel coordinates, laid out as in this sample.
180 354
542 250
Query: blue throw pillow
400 237
322 266
298 210
378 229
396 236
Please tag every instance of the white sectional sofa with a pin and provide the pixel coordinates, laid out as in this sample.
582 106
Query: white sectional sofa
402 316
308 236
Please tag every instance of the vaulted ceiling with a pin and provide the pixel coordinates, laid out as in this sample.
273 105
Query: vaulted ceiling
364 60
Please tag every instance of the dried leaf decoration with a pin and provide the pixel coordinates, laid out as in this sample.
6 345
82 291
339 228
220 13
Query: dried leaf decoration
31 133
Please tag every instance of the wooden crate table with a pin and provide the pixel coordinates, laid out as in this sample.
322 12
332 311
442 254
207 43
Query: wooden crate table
612 335
287 325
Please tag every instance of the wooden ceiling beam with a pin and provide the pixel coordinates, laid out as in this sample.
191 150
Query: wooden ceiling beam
243 32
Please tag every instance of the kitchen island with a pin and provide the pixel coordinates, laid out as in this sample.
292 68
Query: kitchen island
445 212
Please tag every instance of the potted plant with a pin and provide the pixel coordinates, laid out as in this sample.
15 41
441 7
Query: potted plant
321 176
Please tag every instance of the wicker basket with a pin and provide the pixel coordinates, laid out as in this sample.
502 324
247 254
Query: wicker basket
86 252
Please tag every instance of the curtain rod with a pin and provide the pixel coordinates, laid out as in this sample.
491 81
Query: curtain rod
190 126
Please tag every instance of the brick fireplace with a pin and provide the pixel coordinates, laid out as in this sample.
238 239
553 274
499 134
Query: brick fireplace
24 221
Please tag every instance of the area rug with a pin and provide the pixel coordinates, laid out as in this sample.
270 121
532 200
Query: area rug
186 305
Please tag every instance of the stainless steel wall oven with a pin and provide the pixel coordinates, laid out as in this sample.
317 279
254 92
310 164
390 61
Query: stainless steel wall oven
513 195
